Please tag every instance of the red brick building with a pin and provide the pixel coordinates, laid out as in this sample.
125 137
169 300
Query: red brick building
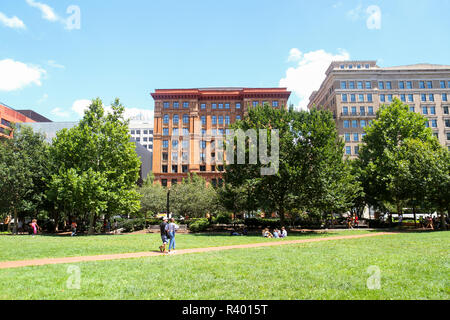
8 116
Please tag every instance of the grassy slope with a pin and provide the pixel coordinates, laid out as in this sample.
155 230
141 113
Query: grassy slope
26 247
413 266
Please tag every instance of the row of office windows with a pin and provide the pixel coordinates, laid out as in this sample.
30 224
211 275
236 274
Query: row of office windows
144 139
6 123
185 144
382 85
362 110
353 137
389 97
214 119
357 123
185 168
215 182
176 105
348 150
357 66
138 132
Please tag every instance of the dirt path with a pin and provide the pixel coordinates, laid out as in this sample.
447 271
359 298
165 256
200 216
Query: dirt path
41 262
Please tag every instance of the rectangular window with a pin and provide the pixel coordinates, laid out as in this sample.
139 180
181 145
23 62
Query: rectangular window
184 168
409 84
362 110
214 119
185 118
344 111
356 149
401 85
227 119
448 135
176 119
410 98
165 168
165 156
361 98
370 110
355 137
430 84
343 85
275 104
403 97
185 131
363 123
174 144
431 97
382 98
434 123
360 85
227 106
220 119
220 105
368 85
238 118
369 97
445 110
353 98
174 158
389 96
412 109
353 111
166 119
447 123
347 137
432 110
424 110
203 106
166 105
203 118
132 131
381 85
185 104
175 132
351 84
344 98
164 182
388 85
444 97
255 103
238 105
348 150
423 97
442 84
176 105
354 123
346 124
214 106
422 84
184 159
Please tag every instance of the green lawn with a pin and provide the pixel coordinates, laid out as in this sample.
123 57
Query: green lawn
412 266
26 247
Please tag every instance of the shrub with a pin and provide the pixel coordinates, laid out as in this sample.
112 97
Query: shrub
223 219
261 222
199 225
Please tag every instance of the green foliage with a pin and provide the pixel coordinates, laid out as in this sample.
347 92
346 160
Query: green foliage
199 225
153 197
100 163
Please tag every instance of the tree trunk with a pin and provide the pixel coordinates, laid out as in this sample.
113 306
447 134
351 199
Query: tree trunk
415 220
443 224
282 218
16 224
92 224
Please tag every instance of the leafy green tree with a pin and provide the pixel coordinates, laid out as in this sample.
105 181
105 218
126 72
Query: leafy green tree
153 197
104 161
390 160
192 197
23 168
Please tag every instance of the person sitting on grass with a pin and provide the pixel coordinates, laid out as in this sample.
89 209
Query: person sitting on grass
283 232
267 233
276 233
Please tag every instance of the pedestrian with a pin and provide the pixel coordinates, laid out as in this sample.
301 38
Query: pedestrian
164 235
74 229
35 227
171 228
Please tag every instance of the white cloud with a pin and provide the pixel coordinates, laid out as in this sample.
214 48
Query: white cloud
13 22
52 63
355 13
16 75
79 106
47 12
294 55
58 112
309 74
373 22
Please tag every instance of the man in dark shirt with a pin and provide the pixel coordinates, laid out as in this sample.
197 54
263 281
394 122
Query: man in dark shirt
164 237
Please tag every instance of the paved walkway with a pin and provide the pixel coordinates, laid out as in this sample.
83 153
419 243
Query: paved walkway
41 262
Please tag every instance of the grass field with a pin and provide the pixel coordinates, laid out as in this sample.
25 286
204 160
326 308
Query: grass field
412 266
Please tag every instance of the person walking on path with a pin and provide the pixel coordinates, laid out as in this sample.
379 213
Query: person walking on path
171 228
74 229
164 235
35 227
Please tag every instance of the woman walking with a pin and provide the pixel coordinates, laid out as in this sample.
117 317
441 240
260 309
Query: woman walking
171 228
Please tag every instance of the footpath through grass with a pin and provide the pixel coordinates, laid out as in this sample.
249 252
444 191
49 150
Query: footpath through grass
411 265
14 248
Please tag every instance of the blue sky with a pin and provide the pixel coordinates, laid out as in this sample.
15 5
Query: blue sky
127 49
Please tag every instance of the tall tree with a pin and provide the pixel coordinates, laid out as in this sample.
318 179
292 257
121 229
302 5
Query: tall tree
23 168
104 161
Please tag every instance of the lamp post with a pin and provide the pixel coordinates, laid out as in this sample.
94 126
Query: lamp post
168 202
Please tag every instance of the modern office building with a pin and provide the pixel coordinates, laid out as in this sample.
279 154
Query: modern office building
354 90
188 125
9 116
142 132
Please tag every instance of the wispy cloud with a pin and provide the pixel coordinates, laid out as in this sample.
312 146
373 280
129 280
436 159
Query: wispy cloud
54 64
58 112
47 12
13 22
16 75
309 73
372 15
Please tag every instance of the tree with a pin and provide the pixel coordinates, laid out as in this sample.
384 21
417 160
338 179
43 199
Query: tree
153 197
23 168
396 146
99 156
192 197
311 174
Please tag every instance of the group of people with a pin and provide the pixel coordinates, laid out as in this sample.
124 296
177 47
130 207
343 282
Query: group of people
168 230
276 233
352 221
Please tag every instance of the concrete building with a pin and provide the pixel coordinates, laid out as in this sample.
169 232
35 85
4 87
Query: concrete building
187 122
354 90
142 132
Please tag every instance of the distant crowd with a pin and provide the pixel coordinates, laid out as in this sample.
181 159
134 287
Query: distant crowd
276 233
